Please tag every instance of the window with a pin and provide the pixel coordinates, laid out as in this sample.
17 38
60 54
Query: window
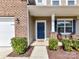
55 2
71 2
40 2
64 26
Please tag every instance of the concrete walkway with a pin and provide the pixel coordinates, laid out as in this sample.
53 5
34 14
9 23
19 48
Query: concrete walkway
4 51
39 52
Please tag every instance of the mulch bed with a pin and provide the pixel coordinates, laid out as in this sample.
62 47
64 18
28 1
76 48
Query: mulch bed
27 54
61 54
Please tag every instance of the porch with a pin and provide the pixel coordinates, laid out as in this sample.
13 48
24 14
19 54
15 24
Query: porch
42 27
52 20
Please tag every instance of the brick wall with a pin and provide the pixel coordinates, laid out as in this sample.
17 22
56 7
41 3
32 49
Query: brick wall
17 9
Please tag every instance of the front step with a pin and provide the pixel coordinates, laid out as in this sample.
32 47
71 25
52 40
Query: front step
40 43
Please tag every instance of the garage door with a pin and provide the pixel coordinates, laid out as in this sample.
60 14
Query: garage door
7 30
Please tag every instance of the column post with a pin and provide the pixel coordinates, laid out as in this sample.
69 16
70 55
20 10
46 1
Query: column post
53 33
53 23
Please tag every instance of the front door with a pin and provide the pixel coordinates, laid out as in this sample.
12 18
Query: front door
40 30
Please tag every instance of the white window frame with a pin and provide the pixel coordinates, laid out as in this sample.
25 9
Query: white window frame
56 5
71 5
65 33
44 2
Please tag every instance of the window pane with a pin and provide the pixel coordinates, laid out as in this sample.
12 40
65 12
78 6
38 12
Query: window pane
55 0
68 23
70 0
60 24
69 29
71 3
60 29
56 3
39 1
60 20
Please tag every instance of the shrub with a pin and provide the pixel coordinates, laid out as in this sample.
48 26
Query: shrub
19 44
53 44
76 44
67 44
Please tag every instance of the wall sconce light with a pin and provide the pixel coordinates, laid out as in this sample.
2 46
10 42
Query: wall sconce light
17 21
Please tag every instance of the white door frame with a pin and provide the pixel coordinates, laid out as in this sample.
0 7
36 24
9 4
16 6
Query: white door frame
37 21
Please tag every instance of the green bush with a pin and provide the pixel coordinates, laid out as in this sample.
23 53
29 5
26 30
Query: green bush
76 44
53 44
67 44
19 44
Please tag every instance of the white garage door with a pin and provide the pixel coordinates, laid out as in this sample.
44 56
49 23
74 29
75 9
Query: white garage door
7 30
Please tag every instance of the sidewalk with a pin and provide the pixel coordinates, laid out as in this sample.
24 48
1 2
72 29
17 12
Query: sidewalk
39 52
4 51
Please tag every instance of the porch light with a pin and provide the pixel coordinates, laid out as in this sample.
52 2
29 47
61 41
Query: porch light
17 21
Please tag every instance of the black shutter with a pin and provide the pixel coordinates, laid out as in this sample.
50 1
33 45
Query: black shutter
74 26
55 25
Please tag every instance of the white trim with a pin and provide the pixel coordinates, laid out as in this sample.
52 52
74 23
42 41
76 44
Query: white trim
68 19
44 2
65 19
36 28
71 5
56 5
28 27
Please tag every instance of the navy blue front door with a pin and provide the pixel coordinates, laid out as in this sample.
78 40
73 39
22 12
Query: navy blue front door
40 30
